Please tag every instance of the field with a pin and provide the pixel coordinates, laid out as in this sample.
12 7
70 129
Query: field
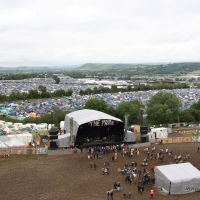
69 177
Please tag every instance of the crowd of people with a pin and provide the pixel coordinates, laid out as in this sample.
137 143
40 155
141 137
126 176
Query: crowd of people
4 156
133 173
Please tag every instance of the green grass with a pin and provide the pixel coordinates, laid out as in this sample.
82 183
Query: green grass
194 73
35 135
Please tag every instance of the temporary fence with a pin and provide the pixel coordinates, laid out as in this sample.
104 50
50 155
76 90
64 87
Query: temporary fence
176 140
24 151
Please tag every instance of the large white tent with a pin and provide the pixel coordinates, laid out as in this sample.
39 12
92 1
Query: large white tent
15 142
177 178
3 145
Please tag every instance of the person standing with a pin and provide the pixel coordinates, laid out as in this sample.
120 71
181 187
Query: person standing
95 165
111 194
90 165
198 149
108 194
151 193
141 189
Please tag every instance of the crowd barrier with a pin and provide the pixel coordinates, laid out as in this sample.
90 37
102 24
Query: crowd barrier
24 151
176 140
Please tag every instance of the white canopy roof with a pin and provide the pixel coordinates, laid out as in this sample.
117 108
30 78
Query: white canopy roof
87 115
3 145
178 178
84 116
15 142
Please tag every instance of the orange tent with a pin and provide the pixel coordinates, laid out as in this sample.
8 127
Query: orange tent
33 115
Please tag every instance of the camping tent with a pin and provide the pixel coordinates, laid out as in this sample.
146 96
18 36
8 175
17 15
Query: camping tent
7 130
177 178
15 142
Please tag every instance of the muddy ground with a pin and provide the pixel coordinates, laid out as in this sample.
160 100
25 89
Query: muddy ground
69 177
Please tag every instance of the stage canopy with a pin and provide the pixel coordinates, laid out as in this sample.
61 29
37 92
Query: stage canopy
87 122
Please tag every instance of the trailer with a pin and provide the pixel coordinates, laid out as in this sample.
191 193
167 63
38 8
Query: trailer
158 133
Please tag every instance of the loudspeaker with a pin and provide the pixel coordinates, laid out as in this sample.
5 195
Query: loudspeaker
143 130
53 132
144 139
53 137
53 146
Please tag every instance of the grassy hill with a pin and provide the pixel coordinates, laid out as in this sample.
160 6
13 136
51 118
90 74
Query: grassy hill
143 69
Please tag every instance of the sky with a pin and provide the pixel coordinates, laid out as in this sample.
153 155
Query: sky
73 32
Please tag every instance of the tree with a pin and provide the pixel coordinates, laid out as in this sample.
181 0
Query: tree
33 94
186 116
132 109
42 88
114 89
163 108
159 114
96 104
112 111
56 79
196 105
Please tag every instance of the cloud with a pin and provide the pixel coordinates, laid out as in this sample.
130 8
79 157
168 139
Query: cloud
45 32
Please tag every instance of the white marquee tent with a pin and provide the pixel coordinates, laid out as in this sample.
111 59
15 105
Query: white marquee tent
3 145
177 178
15 142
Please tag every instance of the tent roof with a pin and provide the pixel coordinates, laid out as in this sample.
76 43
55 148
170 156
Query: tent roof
64 136
15 142
87 115
178 172
3 145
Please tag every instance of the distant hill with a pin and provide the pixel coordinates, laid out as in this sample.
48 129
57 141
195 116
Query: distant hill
65 66
112 69
144 69
40 68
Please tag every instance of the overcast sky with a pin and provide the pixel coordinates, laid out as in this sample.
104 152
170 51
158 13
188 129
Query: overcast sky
69 32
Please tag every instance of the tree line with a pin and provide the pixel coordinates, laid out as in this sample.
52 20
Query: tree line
138 87
162 108
39 93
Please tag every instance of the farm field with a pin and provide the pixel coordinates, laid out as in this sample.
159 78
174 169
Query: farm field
69 177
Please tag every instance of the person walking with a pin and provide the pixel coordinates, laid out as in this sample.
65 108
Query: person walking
151 193
198 149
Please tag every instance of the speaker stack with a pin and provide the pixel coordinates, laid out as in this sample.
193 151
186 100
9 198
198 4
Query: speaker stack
143 134
53 137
